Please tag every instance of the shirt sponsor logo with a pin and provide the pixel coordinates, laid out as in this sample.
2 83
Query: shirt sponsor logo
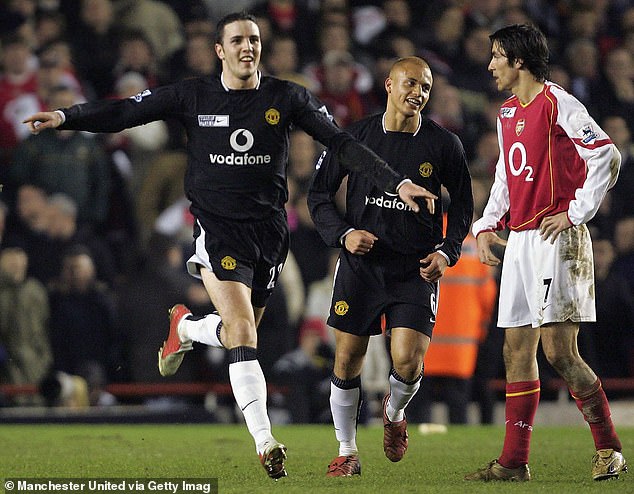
507 112
241 140
587 134
213 120
341 308
139 96
519 126
387 203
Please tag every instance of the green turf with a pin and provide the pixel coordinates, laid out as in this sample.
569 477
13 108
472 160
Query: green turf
560 458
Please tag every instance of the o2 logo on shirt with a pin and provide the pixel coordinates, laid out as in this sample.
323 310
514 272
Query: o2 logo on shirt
518 167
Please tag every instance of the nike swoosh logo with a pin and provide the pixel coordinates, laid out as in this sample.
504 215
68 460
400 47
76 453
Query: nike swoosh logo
245 406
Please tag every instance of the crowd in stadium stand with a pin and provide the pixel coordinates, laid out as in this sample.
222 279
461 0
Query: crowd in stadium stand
94 229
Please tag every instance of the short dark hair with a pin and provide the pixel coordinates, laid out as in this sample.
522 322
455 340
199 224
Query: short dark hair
527 43
228 19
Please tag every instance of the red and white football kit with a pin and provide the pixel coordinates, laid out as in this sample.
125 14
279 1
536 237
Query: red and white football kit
553 158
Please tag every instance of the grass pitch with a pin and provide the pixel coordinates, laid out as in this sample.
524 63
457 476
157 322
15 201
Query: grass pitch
560 458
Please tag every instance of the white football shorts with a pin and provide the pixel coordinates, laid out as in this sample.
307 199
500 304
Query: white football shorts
543 283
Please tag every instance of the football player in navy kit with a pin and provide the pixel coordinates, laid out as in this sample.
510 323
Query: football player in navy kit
237 127
392 257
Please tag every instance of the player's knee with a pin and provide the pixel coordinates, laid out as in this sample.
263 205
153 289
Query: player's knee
561 362
408 368
239 332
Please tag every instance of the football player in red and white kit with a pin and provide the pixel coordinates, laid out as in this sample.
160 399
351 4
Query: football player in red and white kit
554 169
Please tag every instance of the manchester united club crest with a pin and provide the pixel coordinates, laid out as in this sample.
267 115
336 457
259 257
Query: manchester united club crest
425 169
228 263
519 126
272 116
341 307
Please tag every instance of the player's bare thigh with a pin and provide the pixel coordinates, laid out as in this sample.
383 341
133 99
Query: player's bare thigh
232 300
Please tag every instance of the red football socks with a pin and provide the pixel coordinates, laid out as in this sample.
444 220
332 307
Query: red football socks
593 403
522 399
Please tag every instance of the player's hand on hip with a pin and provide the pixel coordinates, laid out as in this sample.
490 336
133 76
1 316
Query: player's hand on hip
408 191
433 267
43 120
552 226
359 242
485 241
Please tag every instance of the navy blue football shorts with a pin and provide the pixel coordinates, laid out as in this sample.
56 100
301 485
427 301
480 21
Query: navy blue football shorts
365 289
252 253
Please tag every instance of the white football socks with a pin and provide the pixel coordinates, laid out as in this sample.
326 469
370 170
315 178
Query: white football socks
344 405
249 389
401 392
203 330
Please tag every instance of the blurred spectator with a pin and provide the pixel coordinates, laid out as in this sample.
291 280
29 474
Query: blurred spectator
293 18
307 245
376 98
136 54
64 233
471 74
582 61
82 324
607 345
398 22
136 147
57 69
559 75
26 227
482 166
473 124
156 20
442 44
25 11
162 187
197 57
336 37
303 153
50 25
616 127
24 313
95 46
615 95
306 371
159 283
485 13
200 57
18 95
282 60
338 91
624 245
70 162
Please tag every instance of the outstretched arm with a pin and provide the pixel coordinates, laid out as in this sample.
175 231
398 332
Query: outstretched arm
44 120
408 191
